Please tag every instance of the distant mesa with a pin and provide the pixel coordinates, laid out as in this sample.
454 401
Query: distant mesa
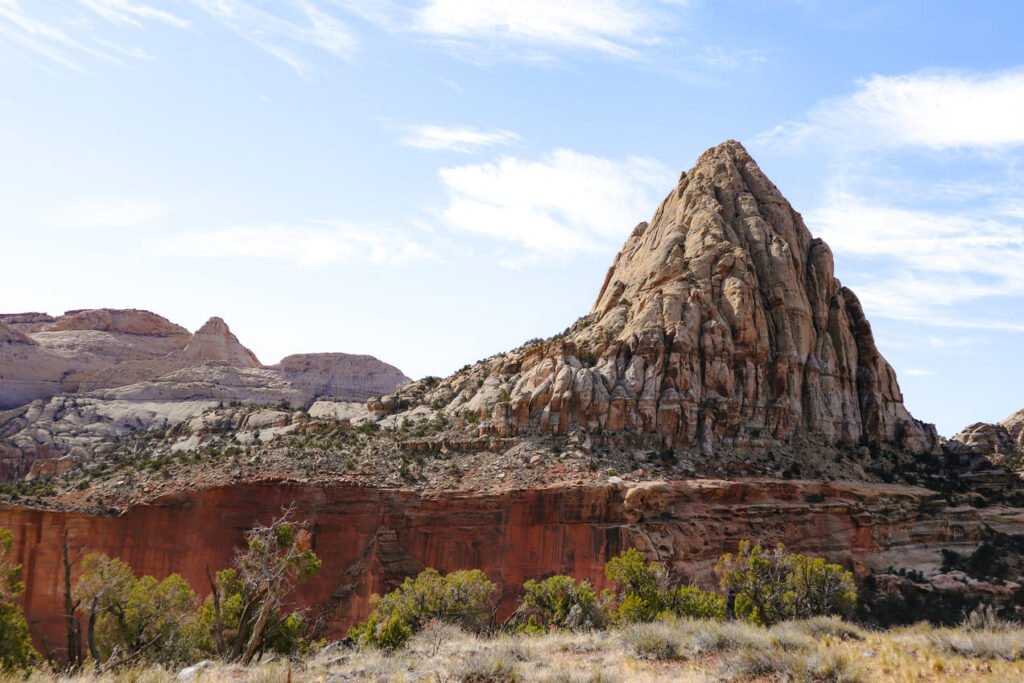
141 355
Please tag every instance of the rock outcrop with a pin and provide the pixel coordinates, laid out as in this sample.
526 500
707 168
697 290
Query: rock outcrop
720 327
90 375
1002 438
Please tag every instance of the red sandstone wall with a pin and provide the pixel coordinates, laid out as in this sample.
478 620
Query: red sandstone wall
370 539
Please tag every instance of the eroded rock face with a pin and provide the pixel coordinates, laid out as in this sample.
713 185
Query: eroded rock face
1002 438
720 326
369 539
348 376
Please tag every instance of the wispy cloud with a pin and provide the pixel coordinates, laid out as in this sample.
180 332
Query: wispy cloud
937 111
564 203
281 36
31 36
133 13
917 372
925 263
310 246
614 27
455 139
63 33
529 30
108 214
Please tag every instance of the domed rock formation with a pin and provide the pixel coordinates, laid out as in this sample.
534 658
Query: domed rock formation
720 325
1002 438
133 370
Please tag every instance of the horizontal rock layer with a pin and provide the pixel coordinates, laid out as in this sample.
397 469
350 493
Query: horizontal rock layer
370 539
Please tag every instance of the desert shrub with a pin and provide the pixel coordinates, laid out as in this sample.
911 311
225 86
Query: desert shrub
690 602
979 644
498 664
558 602
811 667
131 618
819 627
716 637
639 598
770 586
595 676
16 651
435 636
643 594
462 598
659 640
155 618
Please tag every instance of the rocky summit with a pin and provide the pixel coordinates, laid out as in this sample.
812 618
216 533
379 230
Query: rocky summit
724 386
720 327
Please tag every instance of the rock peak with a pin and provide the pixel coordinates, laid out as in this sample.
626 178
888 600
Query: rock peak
215 325
214 341
720 326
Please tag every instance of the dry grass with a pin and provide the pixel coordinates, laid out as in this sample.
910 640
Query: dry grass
814 650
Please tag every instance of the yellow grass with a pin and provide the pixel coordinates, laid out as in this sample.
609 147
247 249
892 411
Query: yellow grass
821 650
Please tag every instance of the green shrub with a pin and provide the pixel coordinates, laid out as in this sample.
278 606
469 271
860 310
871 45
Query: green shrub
558 602
690 602
156 617
771 586
639 597
462 598
16 651
643 596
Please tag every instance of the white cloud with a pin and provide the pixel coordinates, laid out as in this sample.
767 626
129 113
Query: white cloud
566 202
925 263
936 111
310 246
614 27
917 372
102 215
455 139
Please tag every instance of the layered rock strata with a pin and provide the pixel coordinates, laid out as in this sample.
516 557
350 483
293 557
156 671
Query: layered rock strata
369 539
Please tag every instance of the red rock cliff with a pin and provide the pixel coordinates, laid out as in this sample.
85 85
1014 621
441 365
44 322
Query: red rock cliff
370 539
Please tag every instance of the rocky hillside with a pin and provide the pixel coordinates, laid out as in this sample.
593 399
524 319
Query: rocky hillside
720 388
72 381
720 329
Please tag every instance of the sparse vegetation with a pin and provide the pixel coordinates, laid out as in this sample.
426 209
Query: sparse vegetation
767 587
16 651
462 598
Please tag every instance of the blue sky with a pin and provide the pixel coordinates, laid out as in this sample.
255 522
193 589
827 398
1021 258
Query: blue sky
439 180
